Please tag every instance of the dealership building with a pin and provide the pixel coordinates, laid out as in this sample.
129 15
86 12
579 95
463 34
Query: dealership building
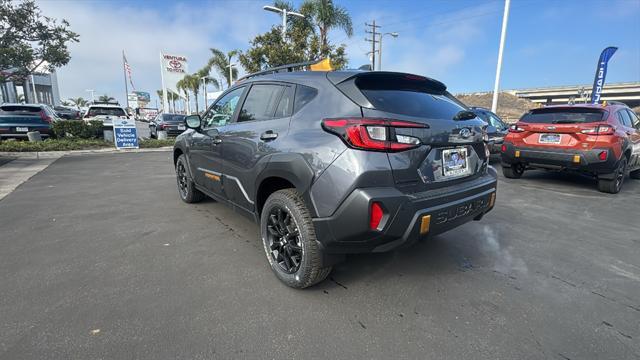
38 88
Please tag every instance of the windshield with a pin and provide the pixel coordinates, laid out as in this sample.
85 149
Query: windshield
20 109
106 111
173 118
563 116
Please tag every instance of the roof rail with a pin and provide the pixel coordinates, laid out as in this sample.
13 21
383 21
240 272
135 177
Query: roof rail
288 68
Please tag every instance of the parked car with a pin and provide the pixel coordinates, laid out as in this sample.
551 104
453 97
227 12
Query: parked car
600 140
330 163
105 112
16 120
173 124
67 113
497 129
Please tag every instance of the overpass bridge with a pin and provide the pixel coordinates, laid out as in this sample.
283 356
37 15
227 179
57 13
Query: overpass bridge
627 92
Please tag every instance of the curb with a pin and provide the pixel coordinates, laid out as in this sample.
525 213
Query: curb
57 154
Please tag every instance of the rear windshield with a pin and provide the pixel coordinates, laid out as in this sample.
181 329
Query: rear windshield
19 109
564 116
409 96
173 118
20 119
111 111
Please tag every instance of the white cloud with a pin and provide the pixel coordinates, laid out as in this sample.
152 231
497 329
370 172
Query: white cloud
106 29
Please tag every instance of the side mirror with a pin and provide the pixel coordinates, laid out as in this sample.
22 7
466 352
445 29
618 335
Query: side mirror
193 122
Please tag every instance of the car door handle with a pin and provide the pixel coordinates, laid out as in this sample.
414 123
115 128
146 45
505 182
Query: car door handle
268 135
217 141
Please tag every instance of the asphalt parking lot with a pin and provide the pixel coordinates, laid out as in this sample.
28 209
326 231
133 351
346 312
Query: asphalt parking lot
99 259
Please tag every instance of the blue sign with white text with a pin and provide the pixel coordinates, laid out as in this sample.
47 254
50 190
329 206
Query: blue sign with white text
125 134
601 73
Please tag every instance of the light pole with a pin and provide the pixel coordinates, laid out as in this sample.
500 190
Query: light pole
91 91
230 66
284 13
503 35
395 35
204 90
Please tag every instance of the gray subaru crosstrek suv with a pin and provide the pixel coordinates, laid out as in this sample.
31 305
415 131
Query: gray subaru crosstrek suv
331 163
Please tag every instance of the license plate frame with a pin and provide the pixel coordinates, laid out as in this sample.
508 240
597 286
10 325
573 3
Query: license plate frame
22 129
455 162
544 138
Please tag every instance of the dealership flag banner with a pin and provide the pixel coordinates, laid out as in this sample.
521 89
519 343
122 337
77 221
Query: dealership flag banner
173 69
601 73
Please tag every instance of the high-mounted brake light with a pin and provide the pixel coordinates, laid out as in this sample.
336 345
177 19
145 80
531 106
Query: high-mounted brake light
599 130
373 134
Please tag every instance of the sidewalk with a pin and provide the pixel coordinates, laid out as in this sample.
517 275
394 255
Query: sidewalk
57 154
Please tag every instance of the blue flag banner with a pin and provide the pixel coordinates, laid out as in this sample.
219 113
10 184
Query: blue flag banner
601 73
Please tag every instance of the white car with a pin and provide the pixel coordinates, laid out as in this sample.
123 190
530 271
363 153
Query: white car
105 113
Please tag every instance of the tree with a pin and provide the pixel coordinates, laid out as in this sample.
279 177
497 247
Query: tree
220 62
325 16
30 41
78 102
106 98
190 83
301 43
171 99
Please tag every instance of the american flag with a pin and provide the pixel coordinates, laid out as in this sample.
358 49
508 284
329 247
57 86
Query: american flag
127 68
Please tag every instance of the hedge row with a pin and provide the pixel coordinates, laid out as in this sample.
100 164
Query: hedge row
78 129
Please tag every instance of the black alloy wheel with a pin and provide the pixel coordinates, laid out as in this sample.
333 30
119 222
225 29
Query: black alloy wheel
183 180
284 239
186 187
613 186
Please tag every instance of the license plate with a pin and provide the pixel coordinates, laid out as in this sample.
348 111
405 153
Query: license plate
22 129
455 162
181 127
550 138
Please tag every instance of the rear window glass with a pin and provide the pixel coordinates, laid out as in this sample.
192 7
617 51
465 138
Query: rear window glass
21 119
412 97
173 118
17 109
563 116
110 111
304 95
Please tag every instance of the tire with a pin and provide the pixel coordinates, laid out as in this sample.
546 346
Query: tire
513 172
186 187
290 242
635 174
614 186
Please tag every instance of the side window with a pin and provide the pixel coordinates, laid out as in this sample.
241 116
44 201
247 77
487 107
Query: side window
495 121
624 118
635 121
304 95
261 102
285 107
221 112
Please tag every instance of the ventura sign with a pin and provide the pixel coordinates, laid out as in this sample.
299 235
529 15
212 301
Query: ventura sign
173 69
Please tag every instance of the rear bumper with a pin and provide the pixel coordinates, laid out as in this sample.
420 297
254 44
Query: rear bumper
560 159
347 231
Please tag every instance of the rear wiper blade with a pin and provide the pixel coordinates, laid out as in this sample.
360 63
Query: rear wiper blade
464 115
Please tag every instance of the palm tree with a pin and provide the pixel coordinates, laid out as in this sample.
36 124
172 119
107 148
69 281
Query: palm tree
171 99
106 98
221 61
183 86
203 74
325 15
78 102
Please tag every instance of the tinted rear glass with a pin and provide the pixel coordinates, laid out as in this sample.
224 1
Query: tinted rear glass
410 96
21 119
111 111
173 118
563 116
17 109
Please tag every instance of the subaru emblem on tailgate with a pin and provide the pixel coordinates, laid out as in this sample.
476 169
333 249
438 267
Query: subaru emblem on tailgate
465 133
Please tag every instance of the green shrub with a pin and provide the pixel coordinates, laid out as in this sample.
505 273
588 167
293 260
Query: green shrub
155 143
78 129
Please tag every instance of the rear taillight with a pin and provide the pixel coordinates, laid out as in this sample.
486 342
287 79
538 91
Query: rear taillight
46 118
603 155
599 130
503 148
373 134
375 216
515 128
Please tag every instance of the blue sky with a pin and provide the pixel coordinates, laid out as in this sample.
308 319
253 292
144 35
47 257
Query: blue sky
548 42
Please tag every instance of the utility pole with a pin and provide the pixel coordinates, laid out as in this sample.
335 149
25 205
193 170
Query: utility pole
503 35
284 13
395 35
373 40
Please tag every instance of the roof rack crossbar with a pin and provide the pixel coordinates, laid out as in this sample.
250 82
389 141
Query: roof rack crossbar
288 68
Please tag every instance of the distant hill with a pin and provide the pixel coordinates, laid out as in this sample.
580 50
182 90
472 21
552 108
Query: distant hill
510 107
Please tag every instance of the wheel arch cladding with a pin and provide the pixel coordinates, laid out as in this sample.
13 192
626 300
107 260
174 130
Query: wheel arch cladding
284 171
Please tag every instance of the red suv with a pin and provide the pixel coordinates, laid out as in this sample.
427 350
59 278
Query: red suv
601 140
